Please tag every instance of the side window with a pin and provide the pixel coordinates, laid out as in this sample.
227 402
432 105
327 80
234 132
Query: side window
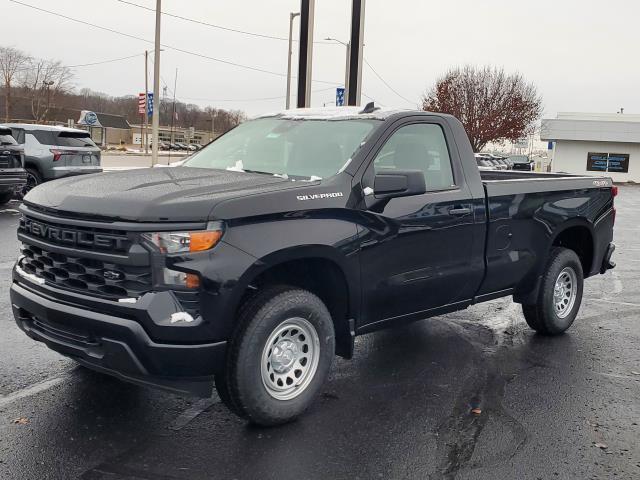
44 137
418 147
18 134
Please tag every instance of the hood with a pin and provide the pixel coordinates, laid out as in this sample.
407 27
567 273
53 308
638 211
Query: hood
151 194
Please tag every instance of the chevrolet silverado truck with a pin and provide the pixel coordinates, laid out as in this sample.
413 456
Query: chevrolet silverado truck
13 177
265 254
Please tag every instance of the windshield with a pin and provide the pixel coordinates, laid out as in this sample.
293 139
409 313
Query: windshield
295 148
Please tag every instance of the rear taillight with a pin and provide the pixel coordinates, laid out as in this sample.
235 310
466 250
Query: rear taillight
57 154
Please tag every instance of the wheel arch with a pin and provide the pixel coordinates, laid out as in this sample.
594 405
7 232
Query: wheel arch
319 269
576 234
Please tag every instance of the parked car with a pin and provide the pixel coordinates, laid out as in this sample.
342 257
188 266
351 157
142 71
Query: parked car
269 251
522 163
13 177
192 147
52 152
483 163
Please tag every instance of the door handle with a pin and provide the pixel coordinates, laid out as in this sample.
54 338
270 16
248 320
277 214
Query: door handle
460 211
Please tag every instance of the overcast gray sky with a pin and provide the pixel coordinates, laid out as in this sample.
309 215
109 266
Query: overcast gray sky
583 55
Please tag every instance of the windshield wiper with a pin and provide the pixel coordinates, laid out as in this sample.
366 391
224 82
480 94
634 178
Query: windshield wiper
258 172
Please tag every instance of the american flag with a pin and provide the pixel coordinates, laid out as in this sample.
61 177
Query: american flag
142 102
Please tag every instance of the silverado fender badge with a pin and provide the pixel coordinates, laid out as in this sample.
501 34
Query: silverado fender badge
319 196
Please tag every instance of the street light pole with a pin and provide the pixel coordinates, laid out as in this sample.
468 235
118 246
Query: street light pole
155 122
347 66
292 17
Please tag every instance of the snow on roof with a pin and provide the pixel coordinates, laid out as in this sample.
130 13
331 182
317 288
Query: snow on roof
35 126
332 113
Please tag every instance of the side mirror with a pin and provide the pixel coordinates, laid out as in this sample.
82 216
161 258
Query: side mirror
399 183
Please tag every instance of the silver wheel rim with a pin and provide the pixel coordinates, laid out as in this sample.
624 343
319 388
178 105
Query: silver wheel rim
565 292
290 359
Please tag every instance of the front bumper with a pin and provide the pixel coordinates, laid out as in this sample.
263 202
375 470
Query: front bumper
67 171
116 343
12 179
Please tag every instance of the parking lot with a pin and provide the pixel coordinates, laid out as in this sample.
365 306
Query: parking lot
564 407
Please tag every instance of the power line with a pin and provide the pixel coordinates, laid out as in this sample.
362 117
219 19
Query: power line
177 49
280 97
188 52
106 61
212 25
387 84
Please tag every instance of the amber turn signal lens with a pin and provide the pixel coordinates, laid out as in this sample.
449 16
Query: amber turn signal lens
192 281
201 241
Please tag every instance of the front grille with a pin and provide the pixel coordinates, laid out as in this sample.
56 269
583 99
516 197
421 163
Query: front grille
85 275
99 262
85 238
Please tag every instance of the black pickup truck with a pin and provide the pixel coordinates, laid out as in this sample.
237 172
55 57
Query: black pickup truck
13 176
270 250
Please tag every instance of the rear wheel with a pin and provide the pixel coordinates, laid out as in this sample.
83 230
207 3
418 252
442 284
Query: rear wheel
5 197
560 294
280 356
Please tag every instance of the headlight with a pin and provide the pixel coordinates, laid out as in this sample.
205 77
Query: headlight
186 242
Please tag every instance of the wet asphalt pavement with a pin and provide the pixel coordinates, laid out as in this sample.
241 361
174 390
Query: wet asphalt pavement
565 407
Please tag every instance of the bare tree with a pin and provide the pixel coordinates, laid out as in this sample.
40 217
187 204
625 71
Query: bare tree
492 106
44 80
12 63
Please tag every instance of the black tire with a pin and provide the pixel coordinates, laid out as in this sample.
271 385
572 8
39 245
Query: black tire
242 387
544 316
33 180
5 197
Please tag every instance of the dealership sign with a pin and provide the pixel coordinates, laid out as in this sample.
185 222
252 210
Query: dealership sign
89 119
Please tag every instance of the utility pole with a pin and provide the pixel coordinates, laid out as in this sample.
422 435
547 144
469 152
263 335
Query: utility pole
145 136
347 71
155 122
173 114
356 55
305 62
292 17
347 66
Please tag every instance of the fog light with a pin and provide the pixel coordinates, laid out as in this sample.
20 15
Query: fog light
182 279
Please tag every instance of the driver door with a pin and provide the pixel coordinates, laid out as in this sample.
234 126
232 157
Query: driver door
416 253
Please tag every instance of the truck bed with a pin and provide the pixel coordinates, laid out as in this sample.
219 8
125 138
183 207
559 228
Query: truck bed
497 183
492 175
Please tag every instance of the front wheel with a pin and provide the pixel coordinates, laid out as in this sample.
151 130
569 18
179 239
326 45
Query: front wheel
560 294
280 356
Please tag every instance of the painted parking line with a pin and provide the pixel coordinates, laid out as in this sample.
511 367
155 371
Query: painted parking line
192 412
624 304
34 389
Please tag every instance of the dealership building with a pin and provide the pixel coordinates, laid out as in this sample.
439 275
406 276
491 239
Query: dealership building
595 144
